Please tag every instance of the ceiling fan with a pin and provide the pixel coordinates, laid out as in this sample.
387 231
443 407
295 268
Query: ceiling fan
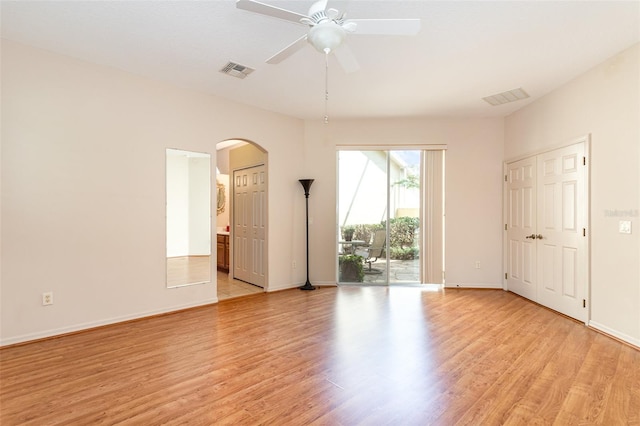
329 28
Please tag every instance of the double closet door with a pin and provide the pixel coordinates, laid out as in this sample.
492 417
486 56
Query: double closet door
546 244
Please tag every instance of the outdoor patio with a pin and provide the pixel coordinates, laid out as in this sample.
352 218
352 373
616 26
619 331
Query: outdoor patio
401 271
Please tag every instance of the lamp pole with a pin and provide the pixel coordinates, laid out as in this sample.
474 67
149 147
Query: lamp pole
306 184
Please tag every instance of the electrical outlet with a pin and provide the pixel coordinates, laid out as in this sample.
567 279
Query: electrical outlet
624 226
47 298
293 264
477 264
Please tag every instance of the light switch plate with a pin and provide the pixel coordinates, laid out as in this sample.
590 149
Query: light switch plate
624 227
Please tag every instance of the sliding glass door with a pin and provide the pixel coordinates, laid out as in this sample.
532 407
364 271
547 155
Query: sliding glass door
379 230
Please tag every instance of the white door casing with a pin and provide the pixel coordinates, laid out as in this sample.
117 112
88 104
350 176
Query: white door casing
546 243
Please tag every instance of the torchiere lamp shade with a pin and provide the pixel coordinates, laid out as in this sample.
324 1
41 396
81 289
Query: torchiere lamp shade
306 184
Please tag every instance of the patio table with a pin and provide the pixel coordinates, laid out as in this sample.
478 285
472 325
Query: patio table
349 247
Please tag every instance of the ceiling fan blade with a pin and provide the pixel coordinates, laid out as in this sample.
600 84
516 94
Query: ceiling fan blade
267 9
318 6
288 51
346 58
386 26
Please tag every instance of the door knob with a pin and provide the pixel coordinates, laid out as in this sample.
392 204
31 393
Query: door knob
532 236
539 236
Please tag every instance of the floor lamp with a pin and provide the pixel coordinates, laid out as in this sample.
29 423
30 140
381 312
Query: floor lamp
306 184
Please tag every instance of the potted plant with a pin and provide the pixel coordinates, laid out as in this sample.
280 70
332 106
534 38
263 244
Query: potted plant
347 232
351 268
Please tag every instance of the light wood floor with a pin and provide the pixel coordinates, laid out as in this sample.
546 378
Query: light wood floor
334 356
229 288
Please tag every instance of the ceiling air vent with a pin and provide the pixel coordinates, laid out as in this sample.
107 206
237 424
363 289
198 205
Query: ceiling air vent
506 97
236 70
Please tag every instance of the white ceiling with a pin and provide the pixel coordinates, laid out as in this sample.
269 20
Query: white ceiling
464 51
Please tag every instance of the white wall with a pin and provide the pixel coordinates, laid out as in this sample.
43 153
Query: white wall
83 189
177 205
200 217
605 103
473 189
222 219
222 163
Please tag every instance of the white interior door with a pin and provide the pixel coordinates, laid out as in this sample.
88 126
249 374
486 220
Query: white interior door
521 227
249 214
561 230
546 229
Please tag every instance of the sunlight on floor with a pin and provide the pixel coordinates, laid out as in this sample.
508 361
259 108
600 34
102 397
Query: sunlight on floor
229 288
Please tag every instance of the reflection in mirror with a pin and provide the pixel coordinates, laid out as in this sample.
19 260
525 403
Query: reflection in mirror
221 197
188 218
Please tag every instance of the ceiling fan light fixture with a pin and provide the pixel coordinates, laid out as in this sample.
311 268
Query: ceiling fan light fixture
326 36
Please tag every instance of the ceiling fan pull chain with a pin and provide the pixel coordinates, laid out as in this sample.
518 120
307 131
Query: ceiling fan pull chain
326 86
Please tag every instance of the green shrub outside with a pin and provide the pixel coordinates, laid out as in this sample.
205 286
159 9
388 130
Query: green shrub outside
364 232
403 231
351 268
408 253
402 240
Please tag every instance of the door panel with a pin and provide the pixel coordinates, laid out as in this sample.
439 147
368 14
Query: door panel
560 227
240 234
521 275
547 279
250 225
569 268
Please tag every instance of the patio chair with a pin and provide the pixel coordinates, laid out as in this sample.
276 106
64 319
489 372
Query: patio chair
374 251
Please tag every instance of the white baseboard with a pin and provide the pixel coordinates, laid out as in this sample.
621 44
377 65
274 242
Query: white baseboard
279 287
300 284
472 285
93 324
614 333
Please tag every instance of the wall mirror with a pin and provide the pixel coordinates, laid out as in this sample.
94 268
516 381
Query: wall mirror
188 190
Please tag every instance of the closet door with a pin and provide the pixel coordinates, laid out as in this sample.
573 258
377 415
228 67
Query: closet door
249 221
521 227
546 229
561 229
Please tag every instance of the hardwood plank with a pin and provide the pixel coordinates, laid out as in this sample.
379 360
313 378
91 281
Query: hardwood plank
335 356
497 404
589 391
623 402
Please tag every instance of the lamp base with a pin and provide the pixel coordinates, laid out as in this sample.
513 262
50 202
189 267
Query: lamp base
307 286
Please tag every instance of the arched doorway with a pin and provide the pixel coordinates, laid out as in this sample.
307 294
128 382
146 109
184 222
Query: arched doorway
242 218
